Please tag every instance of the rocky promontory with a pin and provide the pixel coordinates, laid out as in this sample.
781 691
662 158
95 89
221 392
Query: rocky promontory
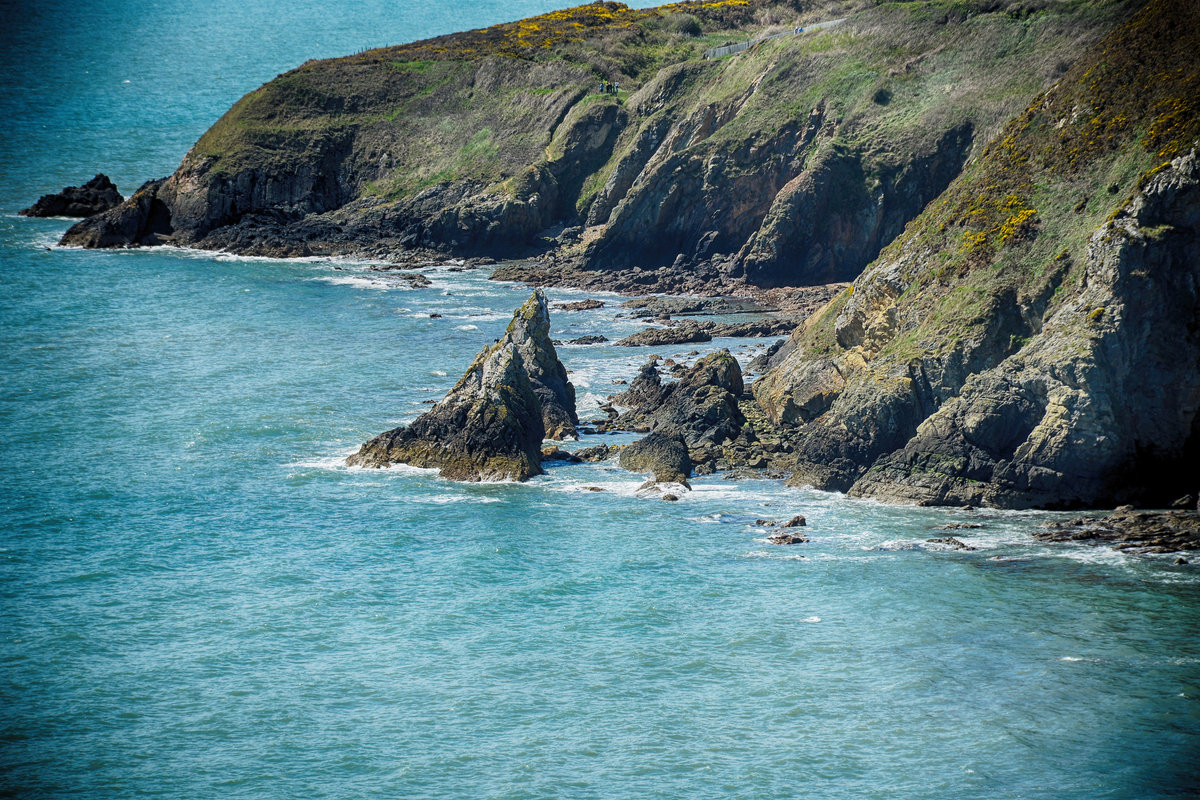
490 426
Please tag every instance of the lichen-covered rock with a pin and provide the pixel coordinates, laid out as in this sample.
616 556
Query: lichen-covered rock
666 457
98 194
490 426
529 332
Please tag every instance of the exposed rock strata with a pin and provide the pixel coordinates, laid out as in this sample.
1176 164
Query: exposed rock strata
97 195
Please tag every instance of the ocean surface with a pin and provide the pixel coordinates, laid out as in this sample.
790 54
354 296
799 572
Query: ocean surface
198 600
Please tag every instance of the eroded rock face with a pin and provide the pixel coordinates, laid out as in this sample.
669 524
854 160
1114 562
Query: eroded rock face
1091 401
701 408
529 332
98 194
490 426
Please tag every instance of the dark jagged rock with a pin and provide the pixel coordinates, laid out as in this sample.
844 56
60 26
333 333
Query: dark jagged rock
684 333
1126 529
589 339
701 408
529 331
558 454
97 195
950 542
143 219
580 305
795 522
599 452
646 391
791 537
491 424
664 456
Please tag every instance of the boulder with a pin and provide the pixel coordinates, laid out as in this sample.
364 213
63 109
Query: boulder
664 456
97 195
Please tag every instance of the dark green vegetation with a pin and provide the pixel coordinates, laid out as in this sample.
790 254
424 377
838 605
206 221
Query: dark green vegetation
1033 338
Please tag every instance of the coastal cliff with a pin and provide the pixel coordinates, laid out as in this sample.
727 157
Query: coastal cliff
791 163
1012 185
1033 338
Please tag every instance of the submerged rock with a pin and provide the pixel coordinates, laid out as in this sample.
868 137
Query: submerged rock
490 426
97 195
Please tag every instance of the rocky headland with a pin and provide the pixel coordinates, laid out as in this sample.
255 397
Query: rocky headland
983 217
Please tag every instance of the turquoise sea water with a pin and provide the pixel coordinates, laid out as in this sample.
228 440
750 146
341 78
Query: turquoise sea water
197 600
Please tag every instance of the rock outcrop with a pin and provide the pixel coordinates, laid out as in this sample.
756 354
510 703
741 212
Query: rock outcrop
97 195
665 457
701 408
490 426
529 332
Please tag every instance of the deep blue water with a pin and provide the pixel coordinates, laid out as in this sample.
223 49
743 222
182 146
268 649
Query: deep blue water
197 600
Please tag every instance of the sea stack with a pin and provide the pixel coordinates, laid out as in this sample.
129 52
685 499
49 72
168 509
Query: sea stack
96 196
490 426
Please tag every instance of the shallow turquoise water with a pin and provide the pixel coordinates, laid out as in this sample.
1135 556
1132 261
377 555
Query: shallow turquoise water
197 600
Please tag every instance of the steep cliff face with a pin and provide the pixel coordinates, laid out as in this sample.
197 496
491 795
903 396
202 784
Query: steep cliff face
1033 339
793 162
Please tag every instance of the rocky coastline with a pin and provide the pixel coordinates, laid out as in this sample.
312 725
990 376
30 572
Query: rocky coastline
988 301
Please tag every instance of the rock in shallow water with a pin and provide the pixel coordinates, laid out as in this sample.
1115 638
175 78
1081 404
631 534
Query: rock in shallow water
664 456
490 426
98 194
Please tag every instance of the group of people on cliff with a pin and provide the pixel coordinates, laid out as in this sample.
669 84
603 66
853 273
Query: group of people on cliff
609 87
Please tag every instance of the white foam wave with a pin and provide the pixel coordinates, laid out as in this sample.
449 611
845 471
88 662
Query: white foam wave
773 555
811 619
466 327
